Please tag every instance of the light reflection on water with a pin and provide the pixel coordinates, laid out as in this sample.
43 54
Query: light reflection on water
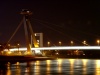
54 67
84 66
97 70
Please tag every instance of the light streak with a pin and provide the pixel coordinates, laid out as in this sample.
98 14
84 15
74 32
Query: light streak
61 48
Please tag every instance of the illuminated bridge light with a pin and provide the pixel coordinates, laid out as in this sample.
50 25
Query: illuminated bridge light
61 48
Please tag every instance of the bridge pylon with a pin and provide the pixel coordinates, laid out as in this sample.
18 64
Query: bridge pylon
26 13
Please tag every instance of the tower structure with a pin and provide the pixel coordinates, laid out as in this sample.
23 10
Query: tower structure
39 37
27 25
26 13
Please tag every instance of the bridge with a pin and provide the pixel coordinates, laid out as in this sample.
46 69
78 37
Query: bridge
61 48
36 48
77 50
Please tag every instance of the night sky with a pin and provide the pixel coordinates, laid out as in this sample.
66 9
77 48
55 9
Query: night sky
59 20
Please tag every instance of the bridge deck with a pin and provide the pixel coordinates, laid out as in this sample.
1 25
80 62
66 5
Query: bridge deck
61 48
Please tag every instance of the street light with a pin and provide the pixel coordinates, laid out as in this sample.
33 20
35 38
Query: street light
60 43
84 42
71 43
48 43
8 47
9 52
98 41
18 47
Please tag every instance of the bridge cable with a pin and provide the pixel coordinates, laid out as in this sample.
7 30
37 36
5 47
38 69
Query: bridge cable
15 31
58 31
86 33
68 27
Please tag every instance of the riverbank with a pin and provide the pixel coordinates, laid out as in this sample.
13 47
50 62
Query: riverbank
78 56
14 59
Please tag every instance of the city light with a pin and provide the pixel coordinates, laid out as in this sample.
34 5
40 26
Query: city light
98 41
71 43
60 43
48 43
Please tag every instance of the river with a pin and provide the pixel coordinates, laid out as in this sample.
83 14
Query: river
54 67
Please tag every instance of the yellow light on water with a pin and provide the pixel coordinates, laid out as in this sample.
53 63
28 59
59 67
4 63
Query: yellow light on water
84 62
98 64
27 70
59 62
84 66
71 65
48 62
48 65
97 68
17 63
8 69
37 67
71 61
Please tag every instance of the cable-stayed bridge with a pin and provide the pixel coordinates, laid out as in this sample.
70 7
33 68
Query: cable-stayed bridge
36 48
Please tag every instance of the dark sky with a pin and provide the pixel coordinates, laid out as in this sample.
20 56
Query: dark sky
57 19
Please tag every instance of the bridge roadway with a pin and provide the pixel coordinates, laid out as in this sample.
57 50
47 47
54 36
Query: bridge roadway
61 48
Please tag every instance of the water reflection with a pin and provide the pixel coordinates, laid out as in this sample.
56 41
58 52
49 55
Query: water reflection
84 66
71 66
48 62
18 70
37 68
53 67
97 70
8 71
59 63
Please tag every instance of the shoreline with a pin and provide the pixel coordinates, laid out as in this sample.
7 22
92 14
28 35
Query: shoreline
13 59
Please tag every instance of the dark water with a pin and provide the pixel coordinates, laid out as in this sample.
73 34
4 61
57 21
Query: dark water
54 67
